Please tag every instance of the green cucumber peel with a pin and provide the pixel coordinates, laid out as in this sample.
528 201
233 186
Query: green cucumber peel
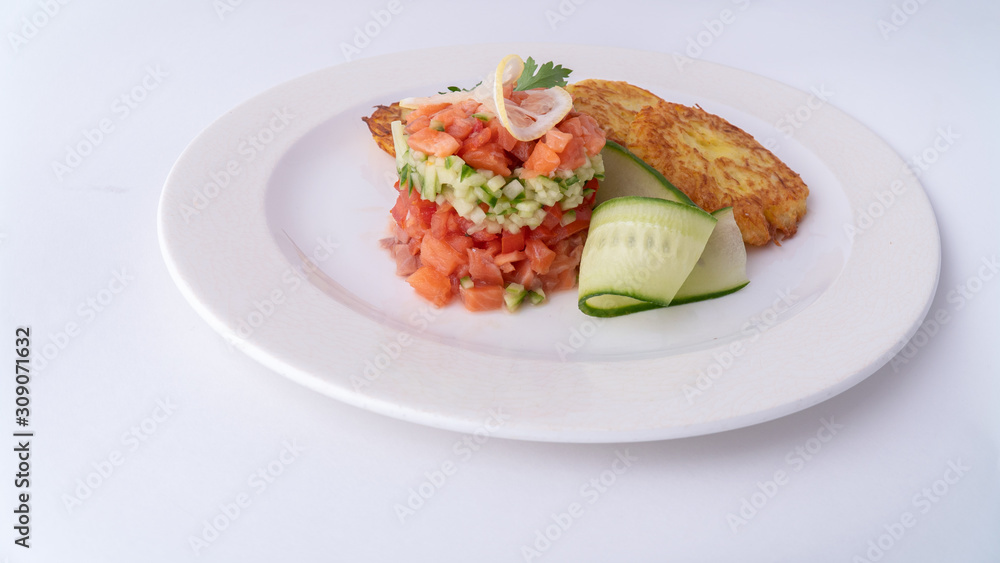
625 174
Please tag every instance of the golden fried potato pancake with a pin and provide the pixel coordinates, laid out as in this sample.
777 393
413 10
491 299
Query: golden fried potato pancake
613 104
380 124
719 165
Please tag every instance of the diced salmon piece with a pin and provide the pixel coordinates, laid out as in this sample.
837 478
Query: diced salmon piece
573 156
476 140
593 135
425 110
406 263
524 275
482 268
432 285
556 139
418 124
502 135
554 216
543 159
487 157
484 236
459 241
571 125
439 255
432 141
449 115
482 297
522 150
539 256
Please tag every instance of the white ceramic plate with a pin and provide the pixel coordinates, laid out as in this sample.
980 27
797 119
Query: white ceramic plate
270 220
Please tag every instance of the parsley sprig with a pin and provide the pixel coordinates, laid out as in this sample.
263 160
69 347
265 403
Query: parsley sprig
545 76
533 76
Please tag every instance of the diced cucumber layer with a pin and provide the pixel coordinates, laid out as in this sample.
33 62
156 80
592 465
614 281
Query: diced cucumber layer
639 252
513 296
511 202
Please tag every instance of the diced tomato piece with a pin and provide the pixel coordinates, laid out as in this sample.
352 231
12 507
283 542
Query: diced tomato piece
543 159
401 208
440 255
573 156
487 157
425 110
539 255
557 140
564 231
482 268
422 210
511 242
482 297
432 141
588 201
432 285
508 257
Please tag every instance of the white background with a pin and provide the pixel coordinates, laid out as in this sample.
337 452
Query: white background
146 355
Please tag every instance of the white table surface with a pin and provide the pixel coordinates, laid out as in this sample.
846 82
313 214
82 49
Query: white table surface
170 426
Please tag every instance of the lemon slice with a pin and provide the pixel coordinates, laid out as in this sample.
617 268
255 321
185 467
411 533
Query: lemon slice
448 97
540 111
488 90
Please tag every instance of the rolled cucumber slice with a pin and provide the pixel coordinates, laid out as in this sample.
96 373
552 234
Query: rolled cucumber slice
626 174
722 267
639 252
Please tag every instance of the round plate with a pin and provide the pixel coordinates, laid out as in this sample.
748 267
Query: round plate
270 224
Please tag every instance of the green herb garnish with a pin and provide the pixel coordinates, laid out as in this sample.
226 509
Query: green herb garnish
545 76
